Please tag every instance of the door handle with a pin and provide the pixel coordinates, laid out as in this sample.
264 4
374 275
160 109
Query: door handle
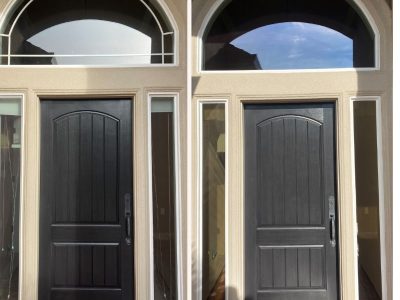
128 219
332 220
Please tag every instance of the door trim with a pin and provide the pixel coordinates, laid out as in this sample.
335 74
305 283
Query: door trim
30 172
235 177
141 186
290 99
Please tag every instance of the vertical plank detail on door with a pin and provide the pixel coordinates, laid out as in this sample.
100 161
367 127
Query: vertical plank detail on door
61 202
315 175
111 170
289 172
85 168
290 176
302 171
98 182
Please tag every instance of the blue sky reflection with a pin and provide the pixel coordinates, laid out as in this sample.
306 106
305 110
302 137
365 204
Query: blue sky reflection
295 45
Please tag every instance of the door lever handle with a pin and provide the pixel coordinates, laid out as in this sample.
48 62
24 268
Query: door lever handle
332 221
333 231
128 219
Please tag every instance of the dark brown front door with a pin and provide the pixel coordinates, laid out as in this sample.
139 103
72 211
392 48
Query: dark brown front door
290 207
86 242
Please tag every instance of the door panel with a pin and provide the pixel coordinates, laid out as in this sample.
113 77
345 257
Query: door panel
86 188
289 181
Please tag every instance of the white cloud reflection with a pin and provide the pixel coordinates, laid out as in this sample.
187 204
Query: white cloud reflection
295 45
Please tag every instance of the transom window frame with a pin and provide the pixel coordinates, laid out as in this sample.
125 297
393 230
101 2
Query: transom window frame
14 5
215 8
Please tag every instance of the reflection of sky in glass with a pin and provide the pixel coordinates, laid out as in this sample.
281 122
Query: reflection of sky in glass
94 37
295 45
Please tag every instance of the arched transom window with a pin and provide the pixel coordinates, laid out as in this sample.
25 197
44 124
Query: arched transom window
281 35
87 32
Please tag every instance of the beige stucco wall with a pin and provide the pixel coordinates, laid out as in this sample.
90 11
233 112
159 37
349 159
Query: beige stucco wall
240 87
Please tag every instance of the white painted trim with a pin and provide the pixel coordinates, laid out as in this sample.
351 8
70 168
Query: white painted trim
86 55
154 16
189 133
214 8
382 218
7 11
227 214
151 66
178 202
18 16
199 214
199 209
22 199
371 21
354 204
333 70
201 32
354 201
174 26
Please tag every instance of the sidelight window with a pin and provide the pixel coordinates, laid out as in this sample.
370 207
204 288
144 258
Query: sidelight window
10 161
369 200
286 35
165 204
213 200
45 32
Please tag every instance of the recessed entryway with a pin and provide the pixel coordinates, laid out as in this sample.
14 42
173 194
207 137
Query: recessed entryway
290 202
86 211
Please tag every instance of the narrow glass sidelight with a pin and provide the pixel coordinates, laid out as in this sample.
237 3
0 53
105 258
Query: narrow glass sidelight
367 200
164 192
213 200
10 160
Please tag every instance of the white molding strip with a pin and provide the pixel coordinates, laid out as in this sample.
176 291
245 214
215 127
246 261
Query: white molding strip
189 148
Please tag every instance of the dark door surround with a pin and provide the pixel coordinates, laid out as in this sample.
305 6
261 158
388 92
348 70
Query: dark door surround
86 209
290 202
